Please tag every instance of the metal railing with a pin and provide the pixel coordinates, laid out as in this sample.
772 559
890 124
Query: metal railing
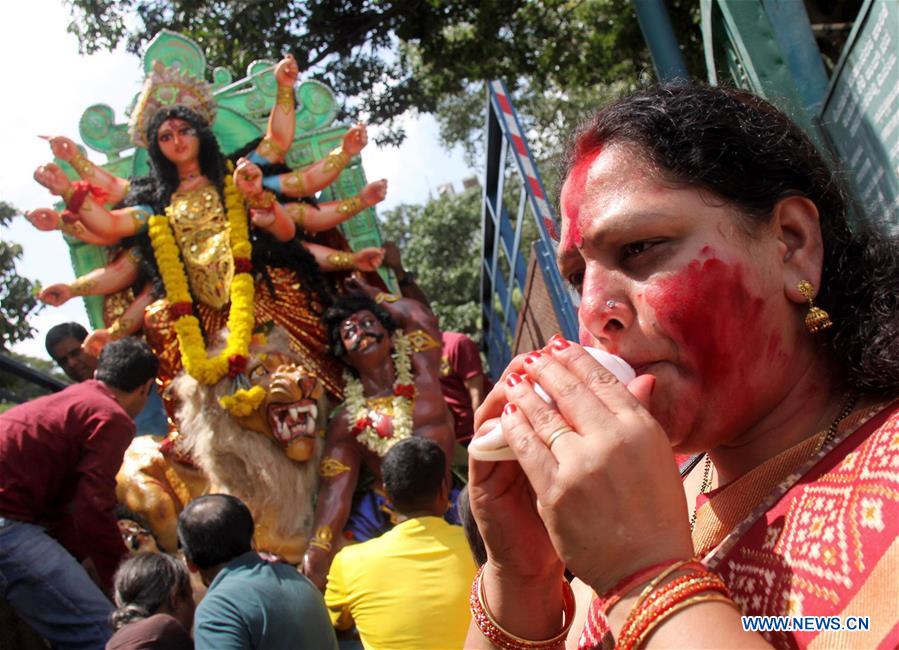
504 268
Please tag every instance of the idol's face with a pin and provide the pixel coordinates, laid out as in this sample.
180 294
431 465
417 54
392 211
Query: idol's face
673 280
364 336
178 141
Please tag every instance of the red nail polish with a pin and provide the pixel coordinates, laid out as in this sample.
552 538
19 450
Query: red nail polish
556 337
509 408
560 344
513 379
532 357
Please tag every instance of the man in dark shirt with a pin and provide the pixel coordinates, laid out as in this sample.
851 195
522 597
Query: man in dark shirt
59 455
250 603
63 343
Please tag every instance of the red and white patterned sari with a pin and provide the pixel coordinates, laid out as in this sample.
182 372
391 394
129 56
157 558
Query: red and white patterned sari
810 533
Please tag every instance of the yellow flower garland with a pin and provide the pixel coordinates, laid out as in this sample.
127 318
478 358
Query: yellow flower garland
243 401
241 318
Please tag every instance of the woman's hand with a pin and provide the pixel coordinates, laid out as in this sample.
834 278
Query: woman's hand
286 72
503 502
368 259
45 219
608 491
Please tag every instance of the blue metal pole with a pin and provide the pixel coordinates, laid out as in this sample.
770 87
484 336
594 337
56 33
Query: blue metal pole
659 35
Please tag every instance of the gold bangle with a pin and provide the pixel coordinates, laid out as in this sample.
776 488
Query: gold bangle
322 538
386 297
341 260
262 201
121 328
331 467
82 286
284 99
422 341
297 212
351 206
67 193
74 229
295 182
337 160
270 150
689 602
82 165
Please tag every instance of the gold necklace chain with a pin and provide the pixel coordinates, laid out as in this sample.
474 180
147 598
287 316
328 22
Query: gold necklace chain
706 483
851 400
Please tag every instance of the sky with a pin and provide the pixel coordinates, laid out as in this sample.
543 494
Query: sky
47 87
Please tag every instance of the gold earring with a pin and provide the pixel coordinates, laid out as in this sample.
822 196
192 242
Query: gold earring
816 319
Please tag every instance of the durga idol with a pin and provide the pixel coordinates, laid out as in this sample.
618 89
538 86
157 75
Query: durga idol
209 248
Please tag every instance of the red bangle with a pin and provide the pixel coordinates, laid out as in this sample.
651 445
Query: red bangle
627 584
656 606
505 640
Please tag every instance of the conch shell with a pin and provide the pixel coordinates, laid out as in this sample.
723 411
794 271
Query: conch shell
492 445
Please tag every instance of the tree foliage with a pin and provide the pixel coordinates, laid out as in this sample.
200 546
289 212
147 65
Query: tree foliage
17 294
388 56
13 385
440 243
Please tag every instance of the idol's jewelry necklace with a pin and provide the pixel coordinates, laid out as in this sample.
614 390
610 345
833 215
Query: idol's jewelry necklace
851 400
190 176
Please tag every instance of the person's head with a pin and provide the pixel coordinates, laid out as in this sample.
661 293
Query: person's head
359 330
152 583
63 343
470 526
129 367
178 135
690 215
414 471
214 529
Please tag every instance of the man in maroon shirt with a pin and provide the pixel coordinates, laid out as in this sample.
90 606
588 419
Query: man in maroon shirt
59 455
462 380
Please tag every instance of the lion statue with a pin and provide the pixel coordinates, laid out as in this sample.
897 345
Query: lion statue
267 456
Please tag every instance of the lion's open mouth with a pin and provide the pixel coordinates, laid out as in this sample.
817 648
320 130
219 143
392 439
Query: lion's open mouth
290 421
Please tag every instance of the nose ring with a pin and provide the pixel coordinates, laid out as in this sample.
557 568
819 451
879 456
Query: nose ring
610 304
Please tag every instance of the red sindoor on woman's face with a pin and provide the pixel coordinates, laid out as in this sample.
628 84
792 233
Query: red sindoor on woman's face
671 282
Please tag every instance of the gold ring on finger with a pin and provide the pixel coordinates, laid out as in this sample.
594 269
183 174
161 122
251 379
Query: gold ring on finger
555 435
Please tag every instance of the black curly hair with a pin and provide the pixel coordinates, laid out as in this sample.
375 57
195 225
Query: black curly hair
343 308
414 470
747 152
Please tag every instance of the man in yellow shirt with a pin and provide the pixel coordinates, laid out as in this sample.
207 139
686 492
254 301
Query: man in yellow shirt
408 588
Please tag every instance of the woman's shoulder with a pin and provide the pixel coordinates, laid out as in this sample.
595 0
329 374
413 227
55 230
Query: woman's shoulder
157 632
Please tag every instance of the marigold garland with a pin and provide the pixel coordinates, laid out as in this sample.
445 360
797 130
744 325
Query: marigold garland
403 402
241 317
244 401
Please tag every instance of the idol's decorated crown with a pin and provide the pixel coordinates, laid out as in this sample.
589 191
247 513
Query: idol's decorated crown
169 86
